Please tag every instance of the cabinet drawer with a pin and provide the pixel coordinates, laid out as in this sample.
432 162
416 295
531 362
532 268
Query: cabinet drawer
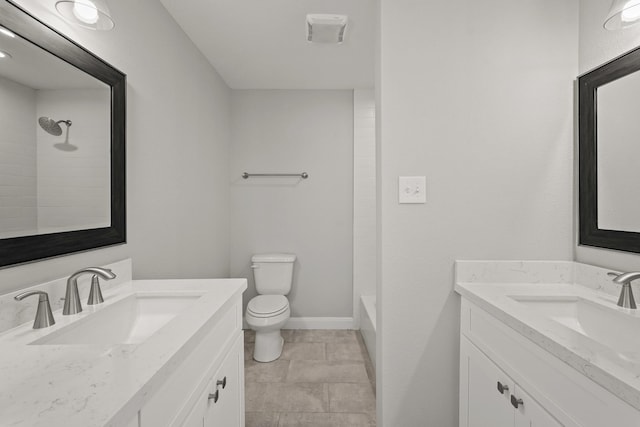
178 391
568 395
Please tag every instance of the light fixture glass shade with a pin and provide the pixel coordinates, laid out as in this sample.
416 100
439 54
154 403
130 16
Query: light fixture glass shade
92 14
623 13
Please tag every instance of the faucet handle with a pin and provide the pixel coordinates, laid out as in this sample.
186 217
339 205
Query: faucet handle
95 294
612 274
44 316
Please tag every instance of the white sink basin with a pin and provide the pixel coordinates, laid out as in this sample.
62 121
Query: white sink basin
128 321
607 325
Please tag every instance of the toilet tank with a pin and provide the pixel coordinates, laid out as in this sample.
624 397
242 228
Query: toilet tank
273 273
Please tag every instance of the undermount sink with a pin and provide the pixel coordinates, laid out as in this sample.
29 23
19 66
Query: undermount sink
607 325
128 321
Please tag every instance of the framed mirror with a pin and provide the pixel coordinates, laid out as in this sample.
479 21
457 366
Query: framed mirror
62 144
609 145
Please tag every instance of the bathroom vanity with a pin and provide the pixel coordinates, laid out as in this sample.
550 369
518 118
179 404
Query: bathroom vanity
155 353
544 344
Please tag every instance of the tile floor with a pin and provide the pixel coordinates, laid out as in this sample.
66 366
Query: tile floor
324 378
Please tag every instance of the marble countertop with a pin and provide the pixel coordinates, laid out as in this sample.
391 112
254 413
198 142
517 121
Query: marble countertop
102 385
618 372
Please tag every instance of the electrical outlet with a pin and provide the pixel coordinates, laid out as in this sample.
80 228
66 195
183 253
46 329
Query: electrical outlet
412 189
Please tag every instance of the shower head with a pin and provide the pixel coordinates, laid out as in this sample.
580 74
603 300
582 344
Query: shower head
51 126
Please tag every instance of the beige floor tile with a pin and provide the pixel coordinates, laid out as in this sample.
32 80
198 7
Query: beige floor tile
345 351
261 419
287 334
299 397
321 379
254 396
275 371
248 350
303 351
325 420
351 397
329 371
324 335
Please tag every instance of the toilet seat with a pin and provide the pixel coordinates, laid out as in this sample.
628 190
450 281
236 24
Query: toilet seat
267 305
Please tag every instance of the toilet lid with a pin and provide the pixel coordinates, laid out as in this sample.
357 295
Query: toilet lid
268 305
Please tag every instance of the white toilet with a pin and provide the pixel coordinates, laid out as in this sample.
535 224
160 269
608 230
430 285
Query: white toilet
269 311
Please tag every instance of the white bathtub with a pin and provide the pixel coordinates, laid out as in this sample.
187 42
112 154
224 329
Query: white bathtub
368 325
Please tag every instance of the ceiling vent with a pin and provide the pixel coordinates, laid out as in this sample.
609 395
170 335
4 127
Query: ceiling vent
326 28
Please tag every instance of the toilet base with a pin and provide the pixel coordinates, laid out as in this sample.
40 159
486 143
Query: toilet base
268 346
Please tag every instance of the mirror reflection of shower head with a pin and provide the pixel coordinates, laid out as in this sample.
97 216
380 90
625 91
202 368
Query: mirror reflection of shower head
51 126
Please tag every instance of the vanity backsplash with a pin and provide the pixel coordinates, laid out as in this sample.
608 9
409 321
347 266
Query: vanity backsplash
566 272
14 313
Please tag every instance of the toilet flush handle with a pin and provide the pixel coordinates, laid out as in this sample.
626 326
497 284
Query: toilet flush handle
255 266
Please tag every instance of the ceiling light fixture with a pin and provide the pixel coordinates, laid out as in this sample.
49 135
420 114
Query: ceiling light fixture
323 28
623 14
92 14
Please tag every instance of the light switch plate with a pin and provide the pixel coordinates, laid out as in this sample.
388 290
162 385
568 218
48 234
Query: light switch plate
412 189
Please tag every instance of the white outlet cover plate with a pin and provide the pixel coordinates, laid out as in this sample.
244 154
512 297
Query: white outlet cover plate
412 189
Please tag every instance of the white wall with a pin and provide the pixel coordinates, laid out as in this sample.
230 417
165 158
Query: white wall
598 46
364 197
291 131
177 149
74 187
18 173
478 97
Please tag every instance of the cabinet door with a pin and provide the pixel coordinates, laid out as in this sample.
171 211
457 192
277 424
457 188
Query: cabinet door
486 390
530 413
197 414
227 410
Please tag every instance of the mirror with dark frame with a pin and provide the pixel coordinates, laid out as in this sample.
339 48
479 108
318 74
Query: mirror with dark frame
609 211
62 144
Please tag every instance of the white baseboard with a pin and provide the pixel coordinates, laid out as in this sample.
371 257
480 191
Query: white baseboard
315 323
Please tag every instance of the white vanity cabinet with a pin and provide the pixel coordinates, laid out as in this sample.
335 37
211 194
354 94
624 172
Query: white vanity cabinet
149 356
207 388
498 364
493 398
226 408
220 404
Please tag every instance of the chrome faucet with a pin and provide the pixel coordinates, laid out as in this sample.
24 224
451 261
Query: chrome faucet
626 299
44 316
72 303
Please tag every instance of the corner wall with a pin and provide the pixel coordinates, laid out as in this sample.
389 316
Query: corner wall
177 149
364 198
478 97
598 46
